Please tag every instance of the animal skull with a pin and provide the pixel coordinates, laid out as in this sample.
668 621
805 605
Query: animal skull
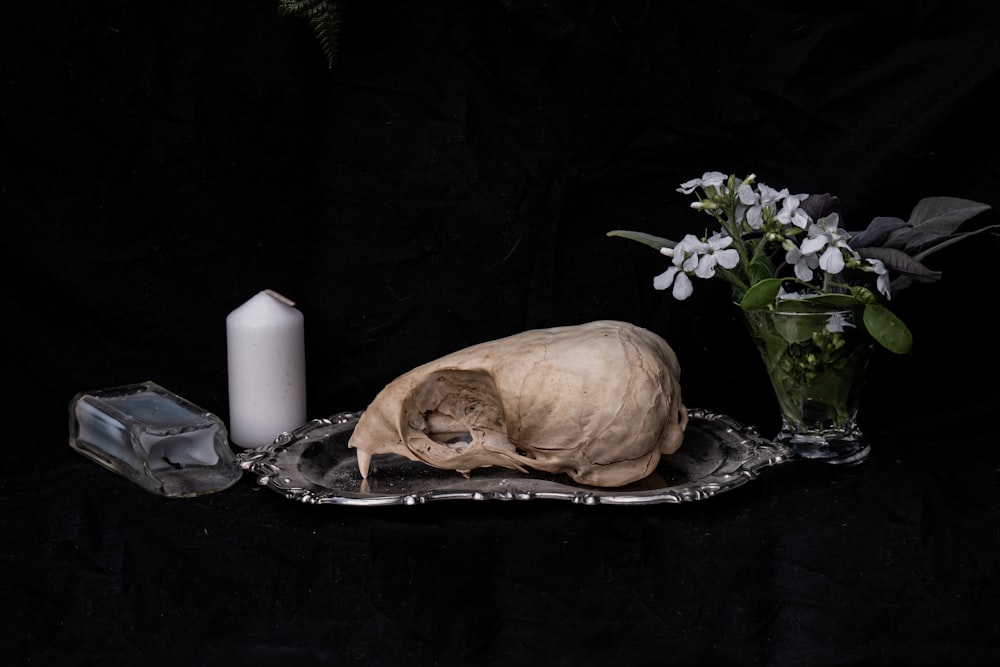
600 402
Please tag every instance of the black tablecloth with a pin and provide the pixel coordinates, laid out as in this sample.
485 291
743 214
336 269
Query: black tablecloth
449 180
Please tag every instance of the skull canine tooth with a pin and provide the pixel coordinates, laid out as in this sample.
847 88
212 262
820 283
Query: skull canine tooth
364 462
600 402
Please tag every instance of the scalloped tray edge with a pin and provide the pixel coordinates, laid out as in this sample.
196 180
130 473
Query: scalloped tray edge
728 456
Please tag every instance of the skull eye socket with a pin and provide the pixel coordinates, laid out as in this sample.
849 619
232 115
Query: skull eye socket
447 430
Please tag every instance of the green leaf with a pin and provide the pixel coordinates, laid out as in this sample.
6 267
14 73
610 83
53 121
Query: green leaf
760 270
324 18
887 329
827 301
863 294
761 295
797 329
765 293
655 242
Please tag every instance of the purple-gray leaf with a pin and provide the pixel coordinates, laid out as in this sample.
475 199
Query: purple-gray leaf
898 261
877 232
820 206
943 215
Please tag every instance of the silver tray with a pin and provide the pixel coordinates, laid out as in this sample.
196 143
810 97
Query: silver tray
313 464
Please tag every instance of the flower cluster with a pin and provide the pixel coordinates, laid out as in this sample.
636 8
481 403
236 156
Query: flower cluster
788 251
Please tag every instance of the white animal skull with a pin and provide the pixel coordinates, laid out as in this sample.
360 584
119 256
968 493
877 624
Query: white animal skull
600 402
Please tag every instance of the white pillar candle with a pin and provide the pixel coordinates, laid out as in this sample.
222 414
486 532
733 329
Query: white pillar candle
265 339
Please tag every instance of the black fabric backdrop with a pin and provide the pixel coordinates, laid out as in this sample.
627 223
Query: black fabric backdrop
448 181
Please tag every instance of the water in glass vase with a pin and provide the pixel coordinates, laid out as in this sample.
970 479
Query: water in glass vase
816 362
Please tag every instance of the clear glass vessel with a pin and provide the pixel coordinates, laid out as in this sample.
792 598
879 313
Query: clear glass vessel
150 436
816 362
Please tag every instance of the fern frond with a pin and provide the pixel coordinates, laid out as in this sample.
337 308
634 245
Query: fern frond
324 16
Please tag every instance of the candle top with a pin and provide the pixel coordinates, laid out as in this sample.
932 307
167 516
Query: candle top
279 297
266 308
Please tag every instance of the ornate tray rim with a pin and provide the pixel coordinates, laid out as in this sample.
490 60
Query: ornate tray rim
277 467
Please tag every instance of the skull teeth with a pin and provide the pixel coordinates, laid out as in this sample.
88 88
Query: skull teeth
364 462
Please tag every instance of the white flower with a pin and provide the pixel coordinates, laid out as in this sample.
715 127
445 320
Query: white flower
882 282
692 255
832 260
716 251
674 275
804 264
686 252
756 202
709 179
826 237
788 296
790 213
837 322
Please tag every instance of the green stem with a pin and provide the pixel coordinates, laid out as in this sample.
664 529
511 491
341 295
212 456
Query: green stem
726 222
741 285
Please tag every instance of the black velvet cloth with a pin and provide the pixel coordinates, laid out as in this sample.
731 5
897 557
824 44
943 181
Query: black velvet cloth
450 180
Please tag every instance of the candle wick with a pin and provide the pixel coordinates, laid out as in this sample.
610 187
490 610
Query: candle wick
279 297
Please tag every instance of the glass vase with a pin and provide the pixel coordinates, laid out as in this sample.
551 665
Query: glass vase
816 361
